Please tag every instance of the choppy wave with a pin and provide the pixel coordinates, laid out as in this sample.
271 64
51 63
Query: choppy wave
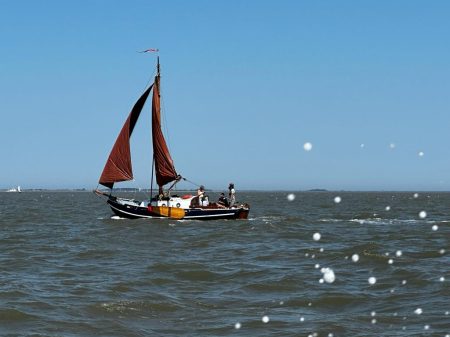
134 307
385 221
71 270
14 315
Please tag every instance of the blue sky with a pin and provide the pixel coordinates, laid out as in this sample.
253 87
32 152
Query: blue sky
245 84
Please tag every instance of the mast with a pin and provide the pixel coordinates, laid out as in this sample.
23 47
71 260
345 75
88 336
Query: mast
164 166
153 157
158 69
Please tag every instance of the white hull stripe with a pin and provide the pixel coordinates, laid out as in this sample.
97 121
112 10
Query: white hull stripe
135 215
164 217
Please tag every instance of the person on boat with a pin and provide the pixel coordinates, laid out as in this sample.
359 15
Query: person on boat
223 200
163 195
201 191
201 196
232 194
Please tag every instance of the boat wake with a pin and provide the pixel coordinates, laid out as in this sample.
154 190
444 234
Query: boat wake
384 221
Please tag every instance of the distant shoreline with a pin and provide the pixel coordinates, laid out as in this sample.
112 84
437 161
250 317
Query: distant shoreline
131 190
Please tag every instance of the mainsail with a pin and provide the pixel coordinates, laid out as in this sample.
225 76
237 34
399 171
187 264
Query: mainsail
164 167
118 166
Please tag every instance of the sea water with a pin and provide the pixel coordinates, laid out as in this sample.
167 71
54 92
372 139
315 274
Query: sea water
303 264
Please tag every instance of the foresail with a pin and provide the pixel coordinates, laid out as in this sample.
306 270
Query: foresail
164 167
118 166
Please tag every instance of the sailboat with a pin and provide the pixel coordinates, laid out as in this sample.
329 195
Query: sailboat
163 204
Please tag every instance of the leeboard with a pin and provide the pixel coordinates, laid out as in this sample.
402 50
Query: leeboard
170 212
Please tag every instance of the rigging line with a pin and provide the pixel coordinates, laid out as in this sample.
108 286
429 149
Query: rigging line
95 192
150 80
151 181
138 189
189 181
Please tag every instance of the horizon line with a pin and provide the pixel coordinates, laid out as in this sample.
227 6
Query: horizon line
81 189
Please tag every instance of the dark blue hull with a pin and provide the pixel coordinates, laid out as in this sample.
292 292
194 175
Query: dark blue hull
136 212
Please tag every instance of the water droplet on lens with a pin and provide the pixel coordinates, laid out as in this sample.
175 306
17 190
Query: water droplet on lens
307 146
328 275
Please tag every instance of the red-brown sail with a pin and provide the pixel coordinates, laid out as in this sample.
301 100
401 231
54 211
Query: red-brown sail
164 167
118 166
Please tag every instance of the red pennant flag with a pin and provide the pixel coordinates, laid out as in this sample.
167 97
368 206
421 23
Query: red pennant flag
150 51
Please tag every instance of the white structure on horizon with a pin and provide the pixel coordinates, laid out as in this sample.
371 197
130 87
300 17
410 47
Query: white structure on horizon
18 189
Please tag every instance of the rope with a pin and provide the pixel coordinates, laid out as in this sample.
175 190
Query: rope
95 191
141 190
189 181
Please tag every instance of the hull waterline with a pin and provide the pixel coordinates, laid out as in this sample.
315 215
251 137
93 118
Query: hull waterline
136 212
